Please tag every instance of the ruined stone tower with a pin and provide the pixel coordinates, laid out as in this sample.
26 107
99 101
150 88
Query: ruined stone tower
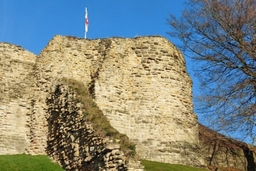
141 85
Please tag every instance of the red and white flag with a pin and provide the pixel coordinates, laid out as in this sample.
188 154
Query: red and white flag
86 20
86 23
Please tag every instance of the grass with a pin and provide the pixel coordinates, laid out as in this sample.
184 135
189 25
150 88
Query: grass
22 162
157 166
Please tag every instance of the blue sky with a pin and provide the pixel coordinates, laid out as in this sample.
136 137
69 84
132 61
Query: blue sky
33 23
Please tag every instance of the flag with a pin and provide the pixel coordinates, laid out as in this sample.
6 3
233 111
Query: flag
86 20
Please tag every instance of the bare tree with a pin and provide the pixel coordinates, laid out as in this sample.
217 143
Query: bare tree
220 35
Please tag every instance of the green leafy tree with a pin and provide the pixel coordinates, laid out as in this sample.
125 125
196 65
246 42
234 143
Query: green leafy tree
220 35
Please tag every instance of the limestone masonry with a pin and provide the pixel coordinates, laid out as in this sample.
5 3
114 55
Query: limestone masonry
141 85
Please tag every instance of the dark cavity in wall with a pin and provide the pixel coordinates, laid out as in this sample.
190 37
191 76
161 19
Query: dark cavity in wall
104 47
251 166
92 84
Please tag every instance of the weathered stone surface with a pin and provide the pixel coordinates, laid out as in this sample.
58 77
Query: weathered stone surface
16 79
72 141
141 86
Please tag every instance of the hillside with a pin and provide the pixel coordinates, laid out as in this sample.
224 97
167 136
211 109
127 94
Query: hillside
223 152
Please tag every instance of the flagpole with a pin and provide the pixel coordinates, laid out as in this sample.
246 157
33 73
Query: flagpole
85 23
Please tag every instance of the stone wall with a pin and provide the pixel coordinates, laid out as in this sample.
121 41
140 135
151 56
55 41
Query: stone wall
73 142
16 80
50 122
141 86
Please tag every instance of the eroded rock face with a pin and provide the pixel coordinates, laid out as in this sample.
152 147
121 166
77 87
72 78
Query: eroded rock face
141 86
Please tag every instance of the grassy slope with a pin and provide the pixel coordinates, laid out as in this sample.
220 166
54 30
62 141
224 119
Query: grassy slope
156 166
22 162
